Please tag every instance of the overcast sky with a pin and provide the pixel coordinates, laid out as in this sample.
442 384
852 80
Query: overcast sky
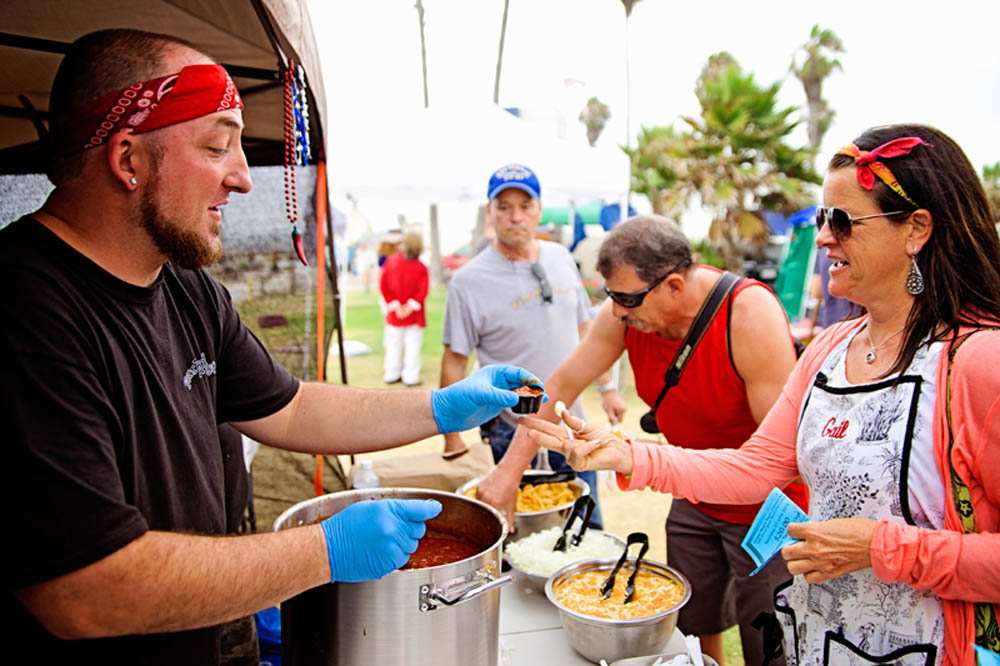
925 61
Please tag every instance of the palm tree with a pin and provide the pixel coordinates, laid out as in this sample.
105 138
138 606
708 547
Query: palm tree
991 183
811 65
437 273
594 116
628 4
734 156
503 35
423 48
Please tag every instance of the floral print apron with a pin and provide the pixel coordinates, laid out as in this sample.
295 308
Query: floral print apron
865 451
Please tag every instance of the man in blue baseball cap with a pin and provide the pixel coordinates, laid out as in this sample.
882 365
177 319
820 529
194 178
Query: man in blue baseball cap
518 301
515 176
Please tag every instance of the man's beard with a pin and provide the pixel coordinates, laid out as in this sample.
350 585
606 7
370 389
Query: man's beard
182 248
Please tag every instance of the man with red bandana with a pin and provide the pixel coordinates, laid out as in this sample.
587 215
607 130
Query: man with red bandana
119 357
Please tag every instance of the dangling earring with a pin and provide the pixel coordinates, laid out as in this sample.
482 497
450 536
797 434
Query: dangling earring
914 278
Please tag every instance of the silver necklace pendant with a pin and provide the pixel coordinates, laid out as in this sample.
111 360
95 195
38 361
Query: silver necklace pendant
870 357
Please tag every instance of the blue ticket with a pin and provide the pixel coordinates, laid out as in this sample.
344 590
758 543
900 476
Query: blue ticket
768 533
987 657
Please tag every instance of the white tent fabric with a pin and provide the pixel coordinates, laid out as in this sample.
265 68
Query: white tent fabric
440 155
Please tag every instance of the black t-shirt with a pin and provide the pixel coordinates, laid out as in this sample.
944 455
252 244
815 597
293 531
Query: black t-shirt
110 400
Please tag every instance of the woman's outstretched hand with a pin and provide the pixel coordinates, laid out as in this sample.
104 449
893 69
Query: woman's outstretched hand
590 448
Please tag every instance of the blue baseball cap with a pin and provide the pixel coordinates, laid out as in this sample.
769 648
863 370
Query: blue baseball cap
514 175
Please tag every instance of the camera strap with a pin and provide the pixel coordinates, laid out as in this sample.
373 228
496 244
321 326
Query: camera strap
723 287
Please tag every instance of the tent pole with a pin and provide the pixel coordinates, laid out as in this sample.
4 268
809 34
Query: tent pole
320 299
272 35
338 323
320 270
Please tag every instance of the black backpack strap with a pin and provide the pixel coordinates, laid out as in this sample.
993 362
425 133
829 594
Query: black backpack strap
723 287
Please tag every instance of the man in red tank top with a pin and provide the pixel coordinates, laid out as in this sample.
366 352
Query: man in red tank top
732 379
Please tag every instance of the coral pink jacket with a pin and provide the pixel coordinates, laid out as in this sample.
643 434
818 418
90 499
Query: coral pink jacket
959 568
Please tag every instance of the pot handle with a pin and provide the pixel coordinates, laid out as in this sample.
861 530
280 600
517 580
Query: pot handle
460 591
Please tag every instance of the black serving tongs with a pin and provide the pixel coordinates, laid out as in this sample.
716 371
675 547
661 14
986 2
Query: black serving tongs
609 584
551 477
584 504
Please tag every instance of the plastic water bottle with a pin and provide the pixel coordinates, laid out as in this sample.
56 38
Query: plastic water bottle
365 476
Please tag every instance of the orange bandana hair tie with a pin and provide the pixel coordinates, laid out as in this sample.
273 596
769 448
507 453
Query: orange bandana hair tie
869 166
193 92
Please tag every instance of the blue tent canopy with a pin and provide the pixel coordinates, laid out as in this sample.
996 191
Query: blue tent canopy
609 216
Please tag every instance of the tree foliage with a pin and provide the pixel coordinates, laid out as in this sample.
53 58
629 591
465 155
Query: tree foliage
734 156
812 64
629 4
595 116
991 183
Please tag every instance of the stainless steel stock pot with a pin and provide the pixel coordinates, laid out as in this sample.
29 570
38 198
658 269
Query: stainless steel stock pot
447 615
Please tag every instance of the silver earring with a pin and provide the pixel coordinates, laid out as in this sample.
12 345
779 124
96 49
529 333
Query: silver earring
914 278
132 181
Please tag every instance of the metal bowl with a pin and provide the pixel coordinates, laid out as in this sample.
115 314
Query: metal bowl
538 582
651 659
529 522
598 638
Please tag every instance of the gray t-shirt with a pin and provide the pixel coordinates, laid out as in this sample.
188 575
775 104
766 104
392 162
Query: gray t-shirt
495 308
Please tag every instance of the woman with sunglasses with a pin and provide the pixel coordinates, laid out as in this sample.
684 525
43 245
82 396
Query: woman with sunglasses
892 418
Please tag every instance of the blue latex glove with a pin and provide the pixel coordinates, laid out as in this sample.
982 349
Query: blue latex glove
479 397
370 539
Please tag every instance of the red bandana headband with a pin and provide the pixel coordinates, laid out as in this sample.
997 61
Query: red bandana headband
869 166
195 91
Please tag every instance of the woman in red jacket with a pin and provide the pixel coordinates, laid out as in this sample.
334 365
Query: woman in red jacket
404 285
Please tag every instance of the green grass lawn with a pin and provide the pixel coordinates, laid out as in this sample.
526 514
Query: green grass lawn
363 322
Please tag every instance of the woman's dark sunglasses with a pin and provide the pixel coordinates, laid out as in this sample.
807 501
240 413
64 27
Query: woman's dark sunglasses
841 222
634 299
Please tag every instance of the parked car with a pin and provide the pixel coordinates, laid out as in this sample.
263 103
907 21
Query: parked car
452 262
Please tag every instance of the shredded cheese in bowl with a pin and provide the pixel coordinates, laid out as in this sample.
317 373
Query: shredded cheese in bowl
534 555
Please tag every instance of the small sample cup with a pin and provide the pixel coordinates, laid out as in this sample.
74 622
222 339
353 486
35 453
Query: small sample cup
529 399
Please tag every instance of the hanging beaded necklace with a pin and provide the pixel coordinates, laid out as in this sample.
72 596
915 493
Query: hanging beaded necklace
296 135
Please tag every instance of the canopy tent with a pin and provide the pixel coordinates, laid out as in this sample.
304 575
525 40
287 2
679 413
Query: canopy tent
439 155
586 213
240 34
592 212
256 40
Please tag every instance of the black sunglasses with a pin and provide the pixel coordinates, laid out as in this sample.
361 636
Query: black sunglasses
841 222
543 281
634 299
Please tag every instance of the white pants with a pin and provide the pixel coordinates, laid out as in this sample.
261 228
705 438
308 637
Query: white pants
402 353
